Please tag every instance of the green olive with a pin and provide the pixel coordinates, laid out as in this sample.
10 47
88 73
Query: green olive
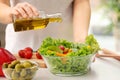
23 73
15 62
18 67
27 64
10 66
15 75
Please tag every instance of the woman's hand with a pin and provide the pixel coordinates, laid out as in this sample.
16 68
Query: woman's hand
24 10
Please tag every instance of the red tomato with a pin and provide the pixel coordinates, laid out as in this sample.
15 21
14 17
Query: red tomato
38 55
29 49
62 47
21 53
28 54
65 51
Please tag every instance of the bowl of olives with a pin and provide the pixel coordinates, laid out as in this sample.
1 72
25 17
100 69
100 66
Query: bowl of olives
20 70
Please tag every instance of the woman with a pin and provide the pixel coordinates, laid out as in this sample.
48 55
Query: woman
75 24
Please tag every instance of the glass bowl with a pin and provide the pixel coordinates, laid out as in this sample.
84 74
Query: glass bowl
68 66
14 70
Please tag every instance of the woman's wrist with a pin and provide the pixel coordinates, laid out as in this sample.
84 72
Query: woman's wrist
10 15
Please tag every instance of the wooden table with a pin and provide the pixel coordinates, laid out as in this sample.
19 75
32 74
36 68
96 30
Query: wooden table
40 62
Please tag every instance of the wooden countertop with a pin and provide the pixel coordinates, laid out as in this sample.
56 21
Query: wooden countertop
40 62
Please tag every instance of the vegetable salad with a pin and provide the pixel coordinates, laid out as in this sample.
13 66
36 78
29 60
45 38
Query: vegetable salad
61 47
68 58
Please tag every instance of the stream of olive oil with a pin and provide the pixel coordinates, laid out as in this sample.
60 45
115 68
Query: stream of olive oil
33 24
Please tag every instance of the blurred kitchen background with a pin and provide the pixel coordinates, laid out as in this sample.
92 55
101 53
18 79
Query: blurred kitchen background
105 21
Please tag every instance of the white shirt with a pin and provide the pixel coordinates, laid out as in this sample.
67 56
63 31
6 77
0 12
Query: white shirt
33 38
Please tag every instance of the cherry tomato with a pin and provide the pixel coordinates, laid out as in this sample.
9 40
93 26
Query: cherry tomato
29 49
28 54
65 50
21 53
38 55
62 47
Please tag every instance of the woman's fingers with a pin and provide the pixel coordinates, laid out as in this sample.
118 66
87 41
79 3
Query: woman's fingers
28 10
34 10
21 12
15 13
25 10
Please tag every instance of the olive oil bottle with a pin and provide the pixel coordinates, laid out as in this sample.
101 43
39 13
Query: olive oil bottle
35 23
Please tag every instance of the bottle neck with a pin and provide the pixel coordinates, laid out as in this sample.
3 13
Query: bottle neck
54 17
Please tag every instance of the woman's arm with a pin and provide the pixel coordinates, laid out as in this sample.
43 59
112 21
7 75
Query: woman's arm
20 10
5 9
81 19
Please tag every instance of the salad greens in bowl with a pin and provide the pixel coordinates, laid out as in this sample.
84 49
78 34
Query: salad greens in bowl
67 58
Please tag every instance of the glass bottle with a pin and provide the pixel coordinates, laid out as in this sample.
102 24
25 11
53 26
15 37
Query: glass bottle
36 22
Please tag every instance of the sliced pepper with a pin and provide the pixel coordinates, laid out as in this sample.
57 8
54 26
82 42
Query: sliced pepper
60 54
